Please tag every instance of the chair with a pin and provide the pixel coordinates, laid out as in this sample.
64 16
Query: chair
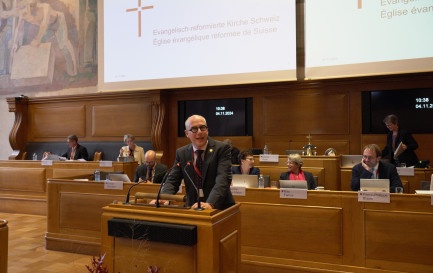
97 156
45 154
24 156
425 185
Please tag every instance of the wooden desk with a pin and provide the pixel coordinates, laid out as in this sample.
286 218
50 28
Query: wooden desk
23 183
332 231
75 209
410 183
327 168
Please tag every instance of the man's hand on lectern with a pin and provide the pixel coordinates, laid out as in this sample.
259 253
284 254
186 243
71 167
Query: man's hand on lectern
203 205
161 202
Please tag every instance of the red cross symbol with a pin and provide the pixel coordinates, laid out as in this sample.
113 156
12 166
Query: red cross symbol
139 9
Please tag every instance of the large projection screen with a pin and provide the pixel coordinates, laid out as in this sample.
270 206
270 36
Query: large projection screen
367 37
155 44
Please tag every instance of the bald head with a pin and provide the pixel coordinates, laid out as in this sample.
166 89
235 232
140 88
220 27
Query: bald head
150 157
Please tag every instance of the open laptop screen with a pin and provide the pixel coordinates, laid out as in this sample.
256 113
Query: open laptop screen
381 185
298 184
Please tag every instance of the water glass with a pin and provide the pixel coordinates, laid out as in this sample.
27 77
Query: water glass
399 190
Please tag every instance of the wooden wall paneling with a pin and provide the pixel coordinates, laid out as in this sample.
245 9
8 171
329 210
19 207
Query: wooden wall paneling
355 123
57 121
306 113
117 119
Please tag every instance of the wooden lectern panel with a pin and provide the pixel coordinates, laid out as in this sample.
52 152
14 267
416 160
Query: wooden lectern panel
137 255
19 178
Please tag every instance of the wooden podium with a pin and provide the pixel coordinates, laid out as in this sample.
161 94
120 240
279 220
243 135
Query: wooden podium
173 239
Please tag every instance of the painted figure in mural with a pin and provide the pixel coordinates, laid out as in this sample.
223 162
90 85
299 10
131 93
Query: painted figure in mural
8 12
51 24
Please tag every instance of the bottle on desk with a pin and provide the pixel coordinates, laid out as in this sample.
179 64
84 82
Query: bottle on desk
265 150
97 175
261 182
35 156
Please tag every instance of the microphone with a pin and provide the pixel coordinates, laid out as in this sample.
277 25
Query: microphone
162 184
127 195
192 182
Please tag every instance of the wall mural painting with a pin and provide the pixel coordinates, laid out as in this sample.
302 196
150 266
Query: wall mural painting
47 45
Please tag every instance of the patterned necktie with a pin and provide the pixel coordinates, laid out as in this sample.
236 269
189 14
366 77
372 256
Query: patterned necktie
149 173
199 166
373 170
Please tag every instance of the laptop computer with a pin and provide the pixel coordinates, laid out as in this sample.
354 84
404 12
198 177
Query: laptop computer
350 160
381 185
297 184
247 181
119 177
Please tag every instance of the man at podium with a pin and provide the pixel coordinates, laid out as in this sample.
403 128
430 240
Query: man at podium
205 166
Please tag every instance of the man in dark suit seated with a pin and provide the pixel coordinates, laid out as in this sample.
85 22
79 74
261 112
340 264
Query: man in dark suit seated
151 172
372 168
75 150
207 163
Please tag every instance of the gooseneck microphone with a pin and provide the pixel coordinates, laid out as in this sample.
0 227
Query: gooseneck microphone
162 185
192 182
163 180
127 195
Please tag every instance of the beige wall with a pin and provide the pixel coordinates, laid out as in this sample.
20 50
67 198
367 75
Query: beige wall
6 122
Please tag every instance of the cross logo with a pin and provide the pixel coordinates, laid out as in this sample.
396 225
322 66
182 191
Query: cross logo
139 9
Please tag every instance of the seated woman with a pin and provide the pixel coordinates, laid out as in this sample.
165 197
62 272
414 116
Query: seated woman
246 160
294 163
131 149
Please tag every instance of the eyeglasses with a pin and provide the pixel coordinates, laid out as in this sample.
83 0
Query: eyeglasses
250 158
202 128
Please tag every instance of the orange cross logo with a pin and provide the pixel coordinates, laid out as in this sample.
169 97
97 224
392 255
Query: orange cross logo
139 9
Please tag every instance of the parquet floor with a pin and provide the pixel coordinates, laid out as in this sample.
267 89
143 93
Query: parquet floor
27 253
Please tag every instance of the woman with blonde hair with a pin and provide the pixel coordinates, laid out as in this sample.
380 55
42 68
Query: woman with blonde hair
132 149
294 163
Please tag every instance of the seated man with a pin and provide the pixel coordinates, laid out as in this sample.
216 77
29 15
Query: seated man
151 172
75 150
371 167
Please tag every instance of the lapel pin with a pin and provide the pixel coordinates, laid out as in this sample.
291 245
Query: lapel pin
211 150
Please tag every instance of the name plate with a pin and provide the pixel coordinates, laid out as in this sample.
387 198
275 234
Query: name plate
293 193
238 191
269 158
105 163
406 171
113 185
46 162
373 197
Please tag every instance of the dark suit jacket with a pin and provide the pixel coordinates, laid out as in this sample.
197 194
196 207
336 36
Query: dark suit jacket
386 171
81 152
308 176
141 171
409 157
235 154
253 170
217 175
